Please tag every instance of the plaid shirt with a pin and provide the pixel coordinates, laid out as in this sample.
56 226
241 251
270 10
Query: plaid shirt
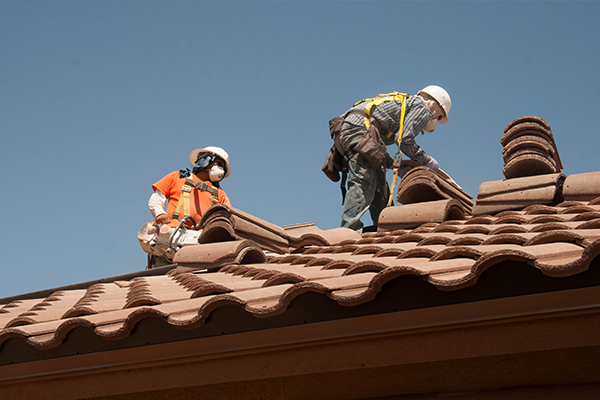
388 115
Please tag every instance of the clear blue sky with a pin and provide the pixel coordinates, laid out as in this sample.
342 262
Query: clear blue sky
100 99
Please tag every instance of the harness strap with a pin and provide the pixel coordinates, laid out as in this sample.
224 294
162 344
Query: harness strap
397 155
184 199
395 96
205 188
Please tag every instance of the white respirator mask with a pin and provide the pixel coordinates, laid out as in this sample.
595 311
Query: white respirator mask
216 173
431 125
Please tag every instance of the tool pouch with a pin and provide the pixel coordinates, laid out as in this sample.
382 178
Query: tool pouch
372 147
333 164
335 126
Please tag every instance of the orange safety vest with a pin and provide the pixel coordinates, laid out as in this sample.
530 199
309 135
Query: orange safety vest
189 196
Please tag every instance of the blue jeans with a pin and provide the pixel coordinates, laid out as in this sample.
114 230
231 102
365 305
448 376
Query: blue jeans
367 186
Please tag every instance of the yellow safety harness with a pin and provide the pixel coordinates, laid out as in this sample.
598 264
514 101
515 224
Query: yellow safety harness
184 199
395 96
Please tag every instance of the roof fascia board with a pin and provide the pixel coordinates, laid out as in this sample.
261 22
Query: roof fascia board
555 306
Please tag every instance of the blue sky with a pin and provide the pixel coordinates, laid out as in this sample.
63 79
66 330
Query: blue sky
98 100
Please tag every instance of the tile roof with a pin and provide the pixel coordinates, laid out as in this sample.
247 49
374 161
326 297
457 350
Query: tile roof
551 225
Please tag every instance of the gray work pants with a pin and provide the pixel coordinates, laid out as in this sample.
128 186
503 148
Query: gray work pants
367 186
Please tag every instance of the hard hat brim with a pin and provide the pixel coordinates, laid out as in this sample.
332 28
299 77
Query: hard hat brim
197 152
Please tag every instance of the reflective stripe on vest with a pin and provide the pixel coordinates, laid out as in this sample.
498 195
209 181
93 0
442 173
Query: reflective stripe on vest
184 200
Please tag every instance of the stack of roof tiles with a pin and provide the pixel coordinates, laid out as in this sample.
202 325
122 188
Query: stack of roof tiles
425 196
223 223
421 184
531 165
529 148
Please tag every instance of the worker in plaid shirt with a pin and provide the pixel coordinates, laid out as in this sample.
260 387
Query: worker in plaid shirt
367 186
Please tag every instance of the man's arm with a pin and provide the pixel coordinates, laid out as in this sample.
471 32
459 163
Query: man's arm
157 203
414 122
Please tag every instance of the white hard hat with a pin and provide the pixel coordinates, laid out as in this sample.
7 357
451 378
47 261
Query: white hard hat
442 97
217 151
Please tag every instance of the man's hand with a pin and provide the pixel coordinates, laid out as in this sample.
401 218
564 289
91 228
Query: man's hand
162 219
433 164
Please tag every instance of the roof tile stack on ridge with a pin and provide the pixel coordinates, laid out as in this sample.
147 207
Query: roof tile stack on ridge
421 184
532 168
425 196
559 241
224 223
529 148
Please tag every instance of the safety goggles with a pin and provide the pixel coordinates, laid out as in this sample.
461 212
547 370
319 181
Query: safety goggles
207 159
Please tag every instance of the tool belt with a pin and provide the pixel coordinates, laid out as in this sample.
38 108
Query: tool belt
371 146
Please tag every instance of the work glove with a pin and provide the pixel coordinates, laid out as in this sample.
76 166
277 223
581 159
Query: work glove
433 164
162 219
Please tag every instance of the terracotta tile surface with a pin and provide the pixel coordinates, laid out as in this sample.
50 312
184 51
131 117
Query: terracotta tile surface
549 223
558 240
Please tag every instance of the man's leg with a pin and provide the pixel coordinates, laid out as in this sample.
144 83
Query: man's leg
362 184
380 196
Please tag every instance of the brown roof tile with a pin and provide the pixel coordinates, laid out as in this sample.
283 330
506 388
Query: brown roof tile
582 187
527 118
215 255
414 215
518 193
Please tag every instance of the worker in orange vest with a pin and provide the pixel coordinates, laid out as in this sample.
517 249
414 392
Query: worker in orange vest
191 192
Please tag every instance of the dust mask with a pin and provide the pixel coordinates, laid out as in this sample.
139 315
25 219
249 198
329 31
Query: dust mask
431 125
216 173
